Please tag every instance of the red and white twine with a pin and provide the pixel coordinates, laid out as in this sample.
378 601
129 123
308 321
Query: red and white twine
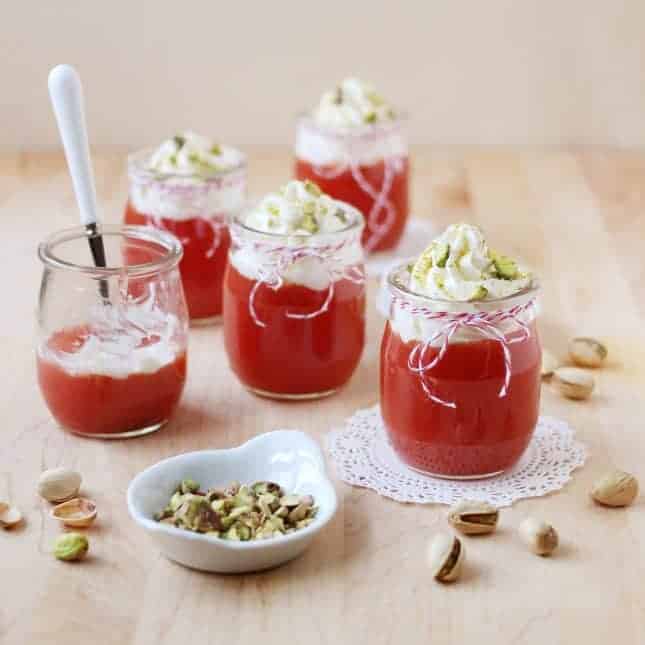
486 323
281 256
382 216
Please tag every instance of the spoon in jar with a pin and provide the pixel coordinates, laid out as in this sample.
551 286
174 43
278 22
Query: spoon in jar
66 94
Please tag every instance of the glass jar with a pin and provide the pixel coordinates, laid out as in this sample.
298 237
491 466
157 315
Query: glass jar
294 309
197 210
367 167
460 381
112 342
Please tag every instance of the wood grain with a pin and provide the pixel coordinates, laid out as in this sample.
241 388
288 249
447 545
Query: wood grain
577 216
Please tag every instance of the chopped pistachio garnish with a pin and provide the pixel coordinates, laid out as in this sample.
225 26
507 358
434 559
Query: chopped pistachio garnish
353 103
238 512
458 265
312 188
179 140
216 149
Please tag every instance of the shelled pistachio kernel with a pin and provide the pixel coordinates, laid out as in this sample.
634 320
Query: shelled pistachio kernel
71 547
615 488
573 383
587 352
445 557
473 518
539 536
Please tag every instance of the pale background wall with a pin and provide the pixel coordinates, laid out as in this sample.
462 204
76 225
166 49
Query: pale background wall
479 71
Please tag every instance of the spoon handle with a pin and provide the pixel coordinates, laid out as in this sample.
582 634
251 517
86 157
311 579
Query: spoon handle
66 94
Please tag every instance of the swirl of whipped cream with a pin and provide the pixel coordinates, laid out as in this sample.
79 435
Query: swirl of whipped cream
459 266
298 208
191 155
352 104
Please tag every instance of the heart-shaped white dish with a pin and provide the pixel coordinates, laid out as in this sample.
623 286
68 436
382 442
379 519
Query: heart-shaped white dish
287 457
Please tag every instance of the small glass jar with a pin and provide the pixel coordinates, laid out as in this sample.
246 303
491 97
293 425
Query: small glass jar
367 167
294 309
197 210
112 342
460 381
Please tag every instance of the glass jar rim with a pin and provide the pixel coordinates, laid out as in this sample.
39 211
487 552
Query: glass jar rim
396 288
364 131
357 224
173 247
136 166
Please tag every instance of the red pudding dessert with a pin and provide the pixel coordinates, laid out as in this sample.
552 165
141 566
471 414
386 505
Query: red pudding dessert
484 433
353 146
103 398
190 187
293 356
206 243
460 358
294 294
385 220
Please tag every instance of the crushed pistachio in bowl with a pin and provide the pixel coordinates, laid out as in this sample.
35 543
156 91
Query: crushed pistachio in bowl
238 512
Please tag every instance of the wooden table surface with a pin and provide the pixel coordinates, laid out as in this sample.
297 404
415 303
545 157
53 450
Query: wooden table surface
576 216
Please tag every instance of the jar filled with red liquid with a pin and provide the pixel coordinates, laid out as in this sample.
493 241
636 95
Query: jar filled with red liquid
353 145
294 295
460 381
190 187
112 342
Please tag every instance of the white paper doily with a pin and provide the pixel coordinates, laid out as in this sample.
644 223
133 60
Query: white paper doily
417 235
363 457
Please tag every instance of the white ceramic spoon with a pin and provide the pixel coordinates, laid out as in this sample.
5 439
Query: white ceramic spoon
66 94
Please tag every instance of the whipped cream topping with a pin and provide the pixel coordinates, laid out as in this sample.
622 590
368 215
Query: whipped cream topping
192 155
188 177
299 208
351 125
298 214
353 103
459 266
115 344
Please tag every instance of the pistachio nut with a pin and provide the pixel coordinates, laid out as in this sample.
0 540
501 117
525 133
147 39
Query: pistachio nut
59 484
573 383
188 486
587 352
473 518
539 536
616 488
549 363
196 514
445 557
71 546
10 516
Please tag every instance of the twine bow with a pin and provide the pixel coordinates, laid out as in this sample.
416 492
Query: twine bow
378 225
485 323
281 257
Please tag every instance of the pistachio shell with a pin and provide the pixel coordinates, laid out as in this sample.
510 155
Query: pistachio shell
573 383
587 352
539 536
10 516
59 484
445 557
616 488
473 518
78 512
